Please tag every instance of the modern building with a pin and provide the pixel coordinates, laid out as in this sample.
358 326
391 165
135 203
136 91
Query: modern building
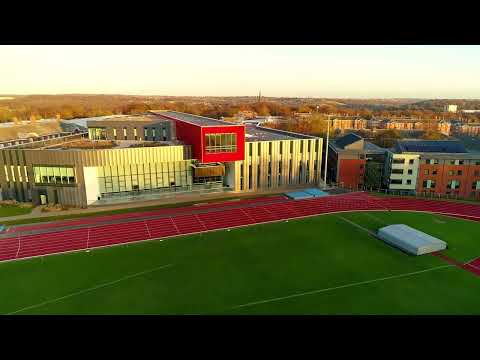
162 153
354 163
434 167
469 129
348 123
450 108
136 128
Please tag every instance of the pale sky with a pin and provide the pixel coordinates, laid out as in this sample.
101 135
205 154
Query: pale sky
292 71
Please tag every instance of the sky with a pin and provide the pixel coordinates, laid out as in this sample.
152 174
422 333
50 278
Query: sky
359 71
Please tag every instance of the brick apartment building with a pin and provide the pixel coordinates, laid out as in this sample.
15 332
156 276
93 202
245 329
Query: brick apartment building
347 160
438 167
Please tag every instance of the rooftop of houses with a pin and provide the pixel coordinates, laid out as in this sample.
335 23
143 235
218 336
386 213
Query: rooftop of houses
430 146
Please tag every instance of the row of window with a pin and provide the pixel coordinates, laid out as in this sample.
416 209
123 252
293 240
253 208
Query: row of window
400 181
279 175
219 143
401 171
402 161
14 171
451 162
309 146
124 178
450 172
452 184
59 175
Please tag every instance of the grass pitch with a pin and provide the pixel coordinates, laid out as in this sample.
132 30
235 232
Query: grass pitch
317 265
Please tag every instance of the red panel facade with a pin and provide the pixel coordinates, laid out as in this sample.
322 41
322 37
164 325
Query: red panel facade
194 135
351 172
191 134
222 157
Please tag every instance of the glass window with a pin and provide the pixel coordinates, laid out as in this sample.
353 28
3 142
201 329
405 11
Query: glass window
54 175
219 143
399 161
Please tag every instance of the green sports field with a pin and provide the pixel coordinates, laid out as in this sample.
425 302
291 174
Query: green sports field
317 265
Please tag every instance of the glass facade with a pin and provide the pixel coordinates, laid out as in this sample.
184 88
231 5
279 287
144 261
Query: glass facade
97 134
58 175
141 177
216 143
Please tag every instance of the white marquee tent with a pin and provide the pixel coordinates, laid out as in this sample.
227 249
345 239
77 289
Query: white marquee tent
410 240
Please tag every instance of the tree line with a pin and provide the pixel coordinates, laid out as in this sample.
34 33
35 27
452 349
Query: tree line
79 106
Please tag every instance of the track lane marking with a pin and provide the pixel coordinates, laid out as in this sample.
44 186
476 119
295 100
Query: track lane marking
89 289
337 287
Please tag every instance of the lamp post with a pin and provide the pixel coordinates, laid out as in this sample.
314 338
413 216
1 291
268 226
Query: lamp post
326 153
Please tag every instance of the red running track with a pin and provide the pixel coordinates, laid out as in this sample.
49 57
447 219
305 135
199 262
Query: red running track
182 222
166 211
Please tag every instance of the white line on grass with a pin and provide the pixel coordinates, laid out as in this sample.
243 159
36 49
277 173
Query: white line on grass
338 287
375 218
89 289
358 226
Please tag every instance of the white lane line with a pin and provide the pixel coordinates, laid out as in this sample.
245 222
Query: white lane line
18 250
338 287
89 289
248 216
358 226
175 225
148 230
375 218
200 221
468 262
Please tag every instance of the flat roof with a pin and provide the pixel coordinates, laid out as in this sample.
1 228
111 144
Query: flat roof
194 119
128 118
260 133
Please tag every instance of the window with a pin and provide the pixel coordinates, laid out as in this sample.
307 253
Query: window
476 185
477 162
125 133
269 148
399 161
153 133
97 133
432 161
450 172
258 176
281 147
54 175
135 133
453 184
221 143
259 148
409 182
164 134
459 172
396 181
397 171
291 147
145 133
301 147
115 133
309 145
249 176
410 171
426 172
411 161
429 184
434 172
250 149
